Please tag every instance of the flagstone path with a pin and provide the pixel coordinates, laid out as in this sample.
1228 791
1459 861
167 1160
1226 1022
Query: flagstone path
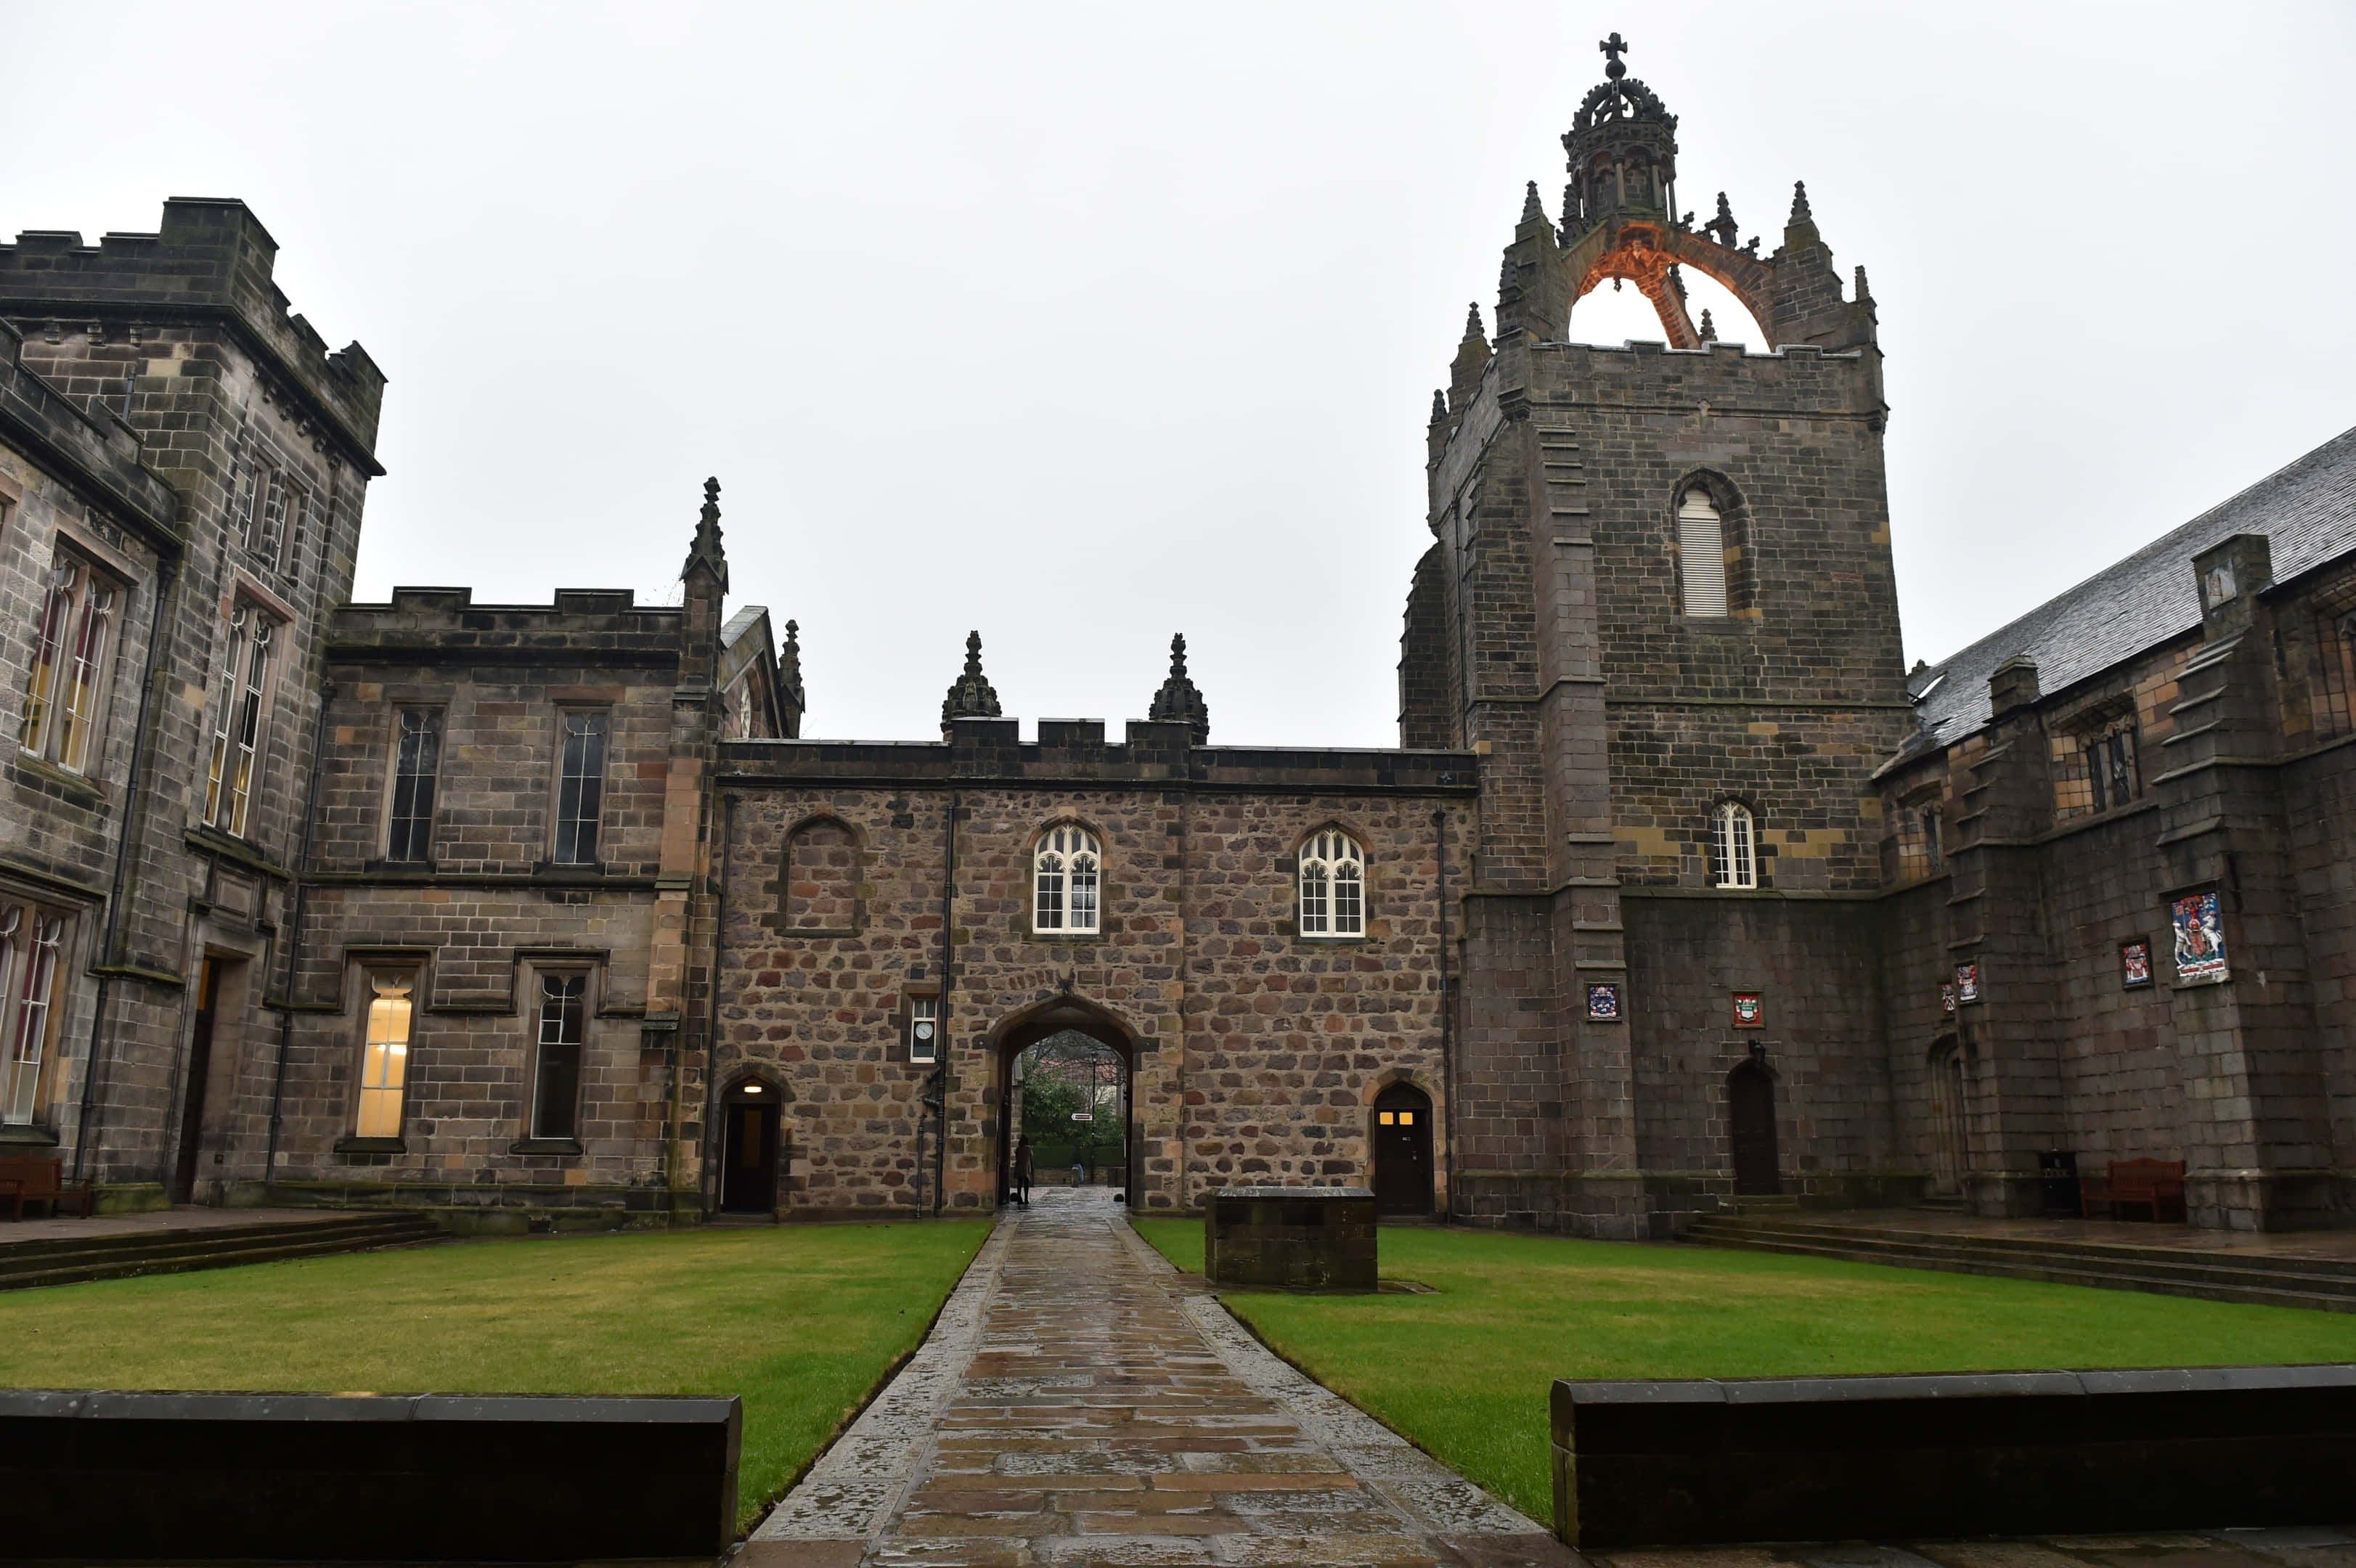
1081 1402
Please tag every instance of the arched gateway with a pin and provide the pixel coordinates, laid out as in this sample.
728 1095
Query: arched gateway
1017 1033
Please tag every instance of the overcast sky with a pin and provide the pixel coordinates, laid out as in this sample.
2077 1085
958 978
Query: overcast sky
1083 324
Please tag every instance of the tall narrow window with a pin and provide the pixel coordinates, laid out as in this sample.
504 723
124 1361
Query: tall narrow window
384 1056
1935 852
298 514
580 789
78 719
1066 870
2111 767
71 647
48 658
1333 885
556 1075
249 497
417 755
267 534
237 720
1702 553
29 1035
1733 853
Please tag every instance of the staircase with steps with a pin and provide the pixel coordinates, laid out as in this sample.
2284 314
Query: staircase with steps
68 1260
2324 1283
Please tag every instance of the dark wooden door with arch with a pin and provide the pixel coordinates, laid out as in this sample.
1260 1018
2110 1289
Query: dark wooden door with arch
1403 1151
749 1150
1751 1127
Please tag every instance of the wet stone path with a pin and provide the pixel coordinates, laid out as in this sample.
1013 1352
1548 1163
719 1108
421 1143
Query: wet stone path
1082 1403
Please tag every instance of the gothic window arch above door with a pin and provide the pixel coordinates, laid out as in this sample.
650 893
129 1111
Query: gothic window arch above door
1333 885
1067 880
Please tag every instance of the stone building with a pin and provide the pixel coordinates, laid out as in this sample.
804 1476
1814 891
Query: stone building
1680 889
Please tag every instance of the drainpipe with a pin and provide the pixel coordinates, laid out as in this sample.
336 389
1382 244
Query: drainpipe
938 1089
295 941
168 573
1447 1003
711 1015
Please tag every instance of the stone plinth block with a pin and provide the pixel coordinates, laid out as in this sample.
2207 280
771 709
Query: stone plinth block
1881 1458
1290 1238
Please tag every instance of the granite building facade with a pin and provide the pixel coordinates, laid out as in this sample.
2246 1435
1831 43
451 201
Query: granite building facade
1680 890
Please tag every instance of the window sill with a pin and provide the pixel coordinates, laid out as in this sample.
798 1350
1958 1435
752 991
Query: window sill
570 871
1069 938
1321 940
371 1145
39 769
30 1133
545 1146
213 841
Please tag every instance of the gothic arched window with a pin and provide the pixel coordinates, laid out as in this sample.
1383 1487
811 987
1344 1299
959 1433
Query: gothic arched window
1066 869
1702 553
1733 847
1332 885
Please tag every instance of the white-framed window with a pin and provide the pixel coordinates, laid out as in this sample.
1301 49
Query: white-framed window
1702 553
384 1053
1332 885
1733 847
240 709
31 941
580 785
1067 869
556 1066
924 1029
73 646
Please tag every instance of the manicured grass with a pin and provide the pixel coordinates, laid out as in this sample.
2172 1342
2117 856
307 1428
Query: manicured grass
799 1320
1465 1373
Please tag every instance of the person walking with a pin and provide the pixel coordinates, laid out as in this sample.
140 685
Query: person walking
1023 1172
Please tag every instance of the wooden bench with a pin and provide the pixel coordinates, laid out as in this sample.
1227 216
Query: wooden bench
2155 1186
39 1178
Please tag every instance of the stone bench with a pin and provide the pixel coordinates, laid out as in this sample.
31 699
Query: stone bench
1698 1463
1317 1239
175 1478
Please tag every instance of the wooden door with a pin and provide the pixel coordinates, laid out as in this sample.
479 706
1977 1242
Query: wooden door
1750 1126
199 1079
1403 1151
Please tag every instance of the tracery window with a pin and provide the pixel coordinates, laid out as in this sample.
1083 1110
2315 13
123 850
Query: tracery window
384 1054
556 1073
31 939
416 761
1702 553
1066 870
72 646
1333 885
239 709
580 787
1733 847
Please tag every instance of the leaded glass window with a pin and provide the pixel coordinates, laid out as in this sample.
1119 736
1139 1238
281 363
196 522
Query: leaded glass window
1333 885
1067 871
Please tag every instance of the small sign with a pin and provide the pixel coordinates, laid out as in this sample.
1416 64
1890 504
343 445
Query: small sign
1967 983
1084 1115
1947 998
1748 1011
2200 939
1604 1003
2134 962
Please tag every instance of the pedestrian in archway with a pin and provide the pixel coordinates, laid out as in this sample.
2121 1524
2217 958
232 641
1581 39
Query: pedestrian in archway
1023 1172
1079 1174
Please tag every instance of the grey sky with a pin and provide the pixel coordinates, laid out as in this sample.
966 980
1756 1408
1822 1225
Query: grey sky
1086 323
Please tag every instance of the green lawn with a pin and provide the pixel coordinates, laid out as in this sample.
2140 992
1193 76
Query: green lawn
1465 1373
800 1320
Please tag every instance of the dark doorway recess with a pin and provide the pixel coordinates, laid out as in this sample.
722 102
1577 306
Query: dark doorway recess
199 1079
1751 1124
1403 1151
749 1148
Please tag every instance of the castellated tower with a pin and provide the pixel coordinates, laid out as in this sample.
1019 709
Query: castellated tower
1660 605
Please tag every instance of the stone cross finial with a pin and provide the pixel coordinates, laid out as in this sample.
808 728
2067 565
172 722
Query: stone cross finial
1531 212
1439 405
1178 702
970 694
707 551
1800 213
1613 48
1708 327
1473 327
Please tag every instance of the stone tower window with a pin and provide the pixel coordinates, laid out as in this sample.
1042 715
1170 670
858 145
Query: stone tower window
416 761
1333 885
1702 553
580 787
1733 847
1065 869
71 650
239 709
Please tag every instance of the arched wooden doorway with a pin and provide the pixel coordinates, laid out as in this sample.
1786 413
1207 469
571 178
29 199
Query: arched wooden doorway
1950 1155
751 1147
1402 1145
1033 1026
1751 1127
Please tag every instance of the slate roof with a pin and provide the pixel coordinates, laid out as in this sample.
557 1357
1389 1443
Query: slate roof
2308 512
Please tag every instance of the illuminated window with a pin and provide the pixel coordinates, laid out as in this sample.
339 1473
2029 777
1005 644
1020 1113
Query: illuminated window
1333 885
237 721
556 1073
384 1056
1733 849
1066 870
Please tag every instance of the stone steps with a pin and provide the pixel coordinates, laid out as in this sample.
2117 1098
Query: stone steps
69 1260
2322 1284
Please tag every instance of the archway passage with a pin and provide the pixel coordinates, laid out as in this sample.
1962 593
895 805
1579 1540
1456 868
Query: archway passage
1750 1125
1402 1144
750 1151
1086 1060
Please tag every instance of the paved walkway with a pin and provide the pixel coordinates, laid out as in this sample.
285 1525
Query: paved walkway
1082 1403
